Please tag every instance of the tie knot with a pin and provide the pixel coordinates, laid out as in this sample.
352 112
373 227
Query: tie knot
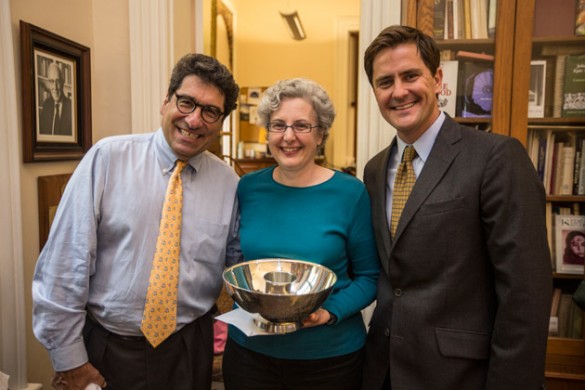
180 165
409 154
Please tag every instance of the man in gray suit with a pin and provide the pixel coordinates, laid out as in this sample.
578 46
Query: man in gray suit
465 288
55 117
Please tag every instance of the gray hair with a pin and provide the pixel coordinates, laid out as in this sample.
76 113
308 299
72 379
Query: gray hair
305 89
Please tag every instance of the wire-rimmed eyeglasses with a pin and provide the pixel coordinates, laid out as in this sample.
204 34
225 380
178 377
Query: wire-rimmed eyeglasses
297 127
187 105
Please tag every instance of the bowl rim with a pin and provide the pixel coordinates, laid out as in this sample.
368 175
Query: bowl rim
272 259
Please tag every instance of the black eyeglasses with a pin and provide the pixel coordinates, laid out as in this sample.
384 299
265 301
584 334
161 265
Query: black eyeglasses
209 114
298 127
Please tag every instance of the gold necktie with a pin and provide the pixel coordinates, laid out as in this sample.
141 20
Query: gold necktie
403 184
160 311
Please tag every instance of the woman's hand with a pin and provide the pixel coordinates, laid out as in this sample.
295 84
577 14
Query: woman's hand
319 317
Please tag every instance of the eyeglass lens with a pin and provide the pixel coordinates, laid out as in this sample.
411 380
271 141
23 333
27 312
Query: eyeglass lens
186 105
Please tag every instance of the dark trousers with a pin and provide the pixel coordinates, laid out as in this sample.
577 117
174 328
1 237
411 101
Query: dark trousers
244 369
184 361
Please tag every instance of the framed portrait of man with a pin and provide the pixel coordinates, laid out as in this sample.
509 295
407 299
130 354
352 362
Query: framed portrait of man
55 81
56 96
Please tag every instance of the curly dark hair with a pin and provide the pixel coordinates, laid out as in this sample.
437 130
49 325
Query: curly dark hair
210 71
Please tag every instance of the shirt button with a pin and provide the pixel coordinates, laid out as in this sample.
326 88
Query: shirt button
398 292
387 332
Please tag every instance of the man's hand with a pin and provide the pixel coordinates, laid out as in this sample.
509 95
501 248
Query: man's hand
78 378
319 317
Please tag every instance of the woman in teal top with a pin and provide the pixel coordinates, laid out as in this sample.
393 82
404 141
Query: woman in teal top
300 210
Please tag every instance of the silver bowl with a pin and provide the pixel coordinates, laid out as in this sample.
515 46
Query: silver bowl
282 291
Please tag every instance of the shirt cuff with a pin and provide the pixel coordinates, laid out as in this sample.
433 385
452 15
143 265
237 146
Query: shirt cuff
69 357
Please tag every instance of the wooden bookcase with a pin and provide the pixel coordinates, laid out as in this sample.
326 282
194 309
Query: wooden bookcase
514 46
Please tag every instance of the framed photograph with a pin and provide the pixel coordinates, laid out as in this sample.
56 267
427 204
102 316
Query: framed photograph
56 96
537 89
569 243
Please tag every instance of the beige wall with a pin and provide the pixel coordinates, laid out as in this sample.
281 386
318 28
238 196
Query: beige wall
101 25
265 53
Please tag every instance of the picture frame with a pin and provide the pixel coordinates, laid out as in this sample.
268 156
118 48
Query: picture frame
536 92
56 96
569 243
222 33
50 190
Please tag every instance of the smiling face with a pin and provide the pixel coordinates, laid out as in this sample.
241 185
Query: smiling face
187 134
406 90
55 82
578 246
294 151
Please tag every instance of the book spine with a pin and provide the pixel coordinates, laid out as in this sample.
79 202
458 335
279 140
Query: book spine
541 156
450 20
460 19
558 89
581 183
448 94
548 165
557 168
491 23
577 164
567 166
467 13
439 20
574 87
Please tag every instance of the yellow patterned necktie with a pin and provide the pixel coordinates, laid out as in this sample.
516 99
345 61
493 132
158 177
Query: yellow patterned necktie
160 311
403 184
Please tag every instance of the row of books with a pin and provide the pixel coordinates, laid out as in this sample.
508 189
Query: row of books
566 318
476 19
467 89
559 159
557 84
464 19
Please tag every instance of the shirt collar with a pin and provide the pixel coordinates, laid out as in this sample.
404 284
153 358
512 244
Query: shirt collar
424 144
166 156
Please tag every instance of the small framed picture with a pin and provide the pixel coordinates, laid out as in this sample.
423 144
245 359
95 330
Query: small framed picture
569 243
537 89
56 96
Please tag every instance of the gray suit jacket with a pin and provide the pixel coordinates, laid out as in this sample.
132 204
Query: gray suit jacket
465 288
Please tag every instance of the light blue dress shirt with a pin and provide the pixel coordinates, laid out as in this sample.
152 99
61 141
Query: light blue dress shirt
101 245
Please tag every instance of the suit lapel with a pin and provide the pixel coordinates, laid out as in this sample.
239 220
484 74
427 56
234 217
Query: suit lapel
443 153
380 210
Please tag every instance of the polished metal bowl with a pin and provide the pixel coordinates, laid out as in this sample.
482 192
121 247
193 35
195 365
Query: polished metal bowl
282 291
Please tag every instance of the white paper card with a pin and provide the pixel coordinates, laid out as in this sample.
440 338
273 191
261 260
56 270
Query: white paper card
244 321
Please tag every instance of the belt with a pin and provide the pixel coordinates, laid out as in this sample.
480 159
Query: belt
140 339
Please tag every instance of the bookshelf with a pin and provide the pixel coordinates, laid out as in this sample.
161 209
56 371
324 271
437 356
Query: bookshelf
525 39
